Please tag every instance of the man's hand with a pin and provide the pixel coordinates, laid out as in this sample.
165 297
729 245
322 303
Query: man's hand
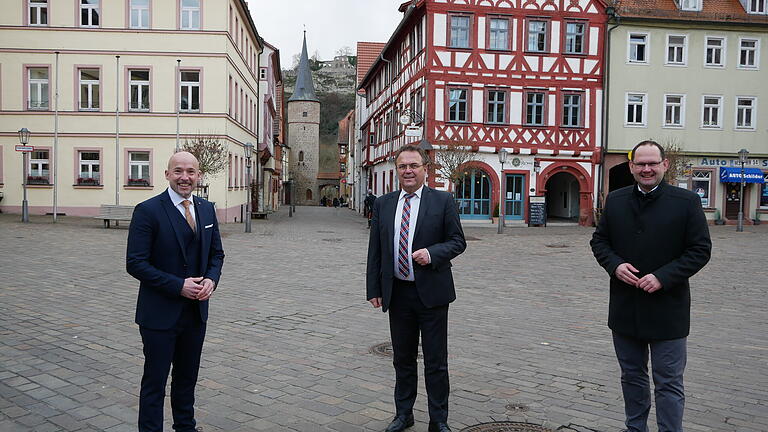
626 273
207 291
422 257
376 302
649 283
192 287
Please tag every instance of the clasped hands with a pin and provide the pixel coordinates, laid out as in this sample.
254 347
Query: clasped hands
421 256
626 273
197 288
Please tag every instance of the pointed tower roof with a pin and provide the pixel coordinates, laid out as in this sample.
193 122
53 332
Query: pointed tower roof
305 89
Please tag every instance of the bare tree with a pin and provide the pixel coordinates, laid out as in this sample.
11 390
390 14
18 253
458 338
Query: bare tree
344 51
678 162
450 161
210 152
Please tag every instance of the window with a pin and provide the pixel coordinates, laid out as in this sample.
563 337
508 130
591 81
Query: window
674 108
638 46
138 168
676 50
745 113
139 87
262 74
534 109
700 183
89 13
758 6
38 12
419 36
764 192
537 36
572 110
301 156
190 15
38 88
90 172
574 38
190 91
636 109
39 168
412 44
89 89
457 105
459 31
497 106
748 53
690 5
498 34
714 55
140 14
711 111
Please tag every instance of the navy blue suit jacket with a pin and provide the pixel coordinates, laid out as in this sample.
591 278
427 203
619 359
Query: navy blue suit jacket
438 229
157 258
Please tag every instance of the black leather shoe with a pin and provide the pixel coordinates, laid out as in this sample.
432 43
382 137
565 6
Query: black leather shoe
439 427
400 423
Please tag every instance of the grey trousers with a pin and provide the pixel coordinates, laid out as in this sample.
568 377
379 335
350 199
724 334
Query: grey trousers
668 358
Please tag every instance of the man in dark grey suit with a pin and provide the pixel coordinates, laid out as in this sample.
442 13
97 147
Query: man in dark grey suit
415 232
650 239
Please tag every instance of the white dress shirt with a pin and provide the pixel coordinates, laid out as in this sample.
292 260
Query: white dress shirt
177 199
415 201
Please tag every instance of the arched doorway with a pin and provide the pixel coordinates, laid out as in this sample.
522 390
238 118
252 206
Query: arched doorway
473 195
619 177
563 197
309 194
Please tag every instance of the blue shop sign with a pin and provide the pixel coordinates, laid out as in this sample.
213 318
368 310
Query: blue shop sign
733 175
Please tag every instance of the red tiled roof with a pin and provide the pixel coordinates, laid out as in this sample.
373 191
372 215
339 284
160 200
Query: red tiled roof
367 52
712 10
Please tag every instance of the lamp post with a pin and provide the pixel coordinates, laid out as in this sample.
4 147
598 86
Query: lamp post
502 158
743 155
24 140
248 153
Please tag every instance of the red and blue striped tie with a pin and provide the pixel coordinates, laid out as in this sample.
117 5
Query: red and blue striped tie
402 253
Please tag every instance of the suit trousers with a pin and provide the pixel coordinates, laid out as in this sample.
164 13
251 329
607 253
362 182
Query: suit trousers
668 359
181 347
408 317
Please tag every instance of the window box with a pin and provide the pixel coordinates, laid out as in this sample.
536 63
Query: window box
138 182
87 181
37 180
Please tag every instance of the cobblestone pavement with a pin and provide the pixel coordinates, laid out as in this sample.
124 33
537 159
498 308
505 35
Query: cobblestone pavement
289 336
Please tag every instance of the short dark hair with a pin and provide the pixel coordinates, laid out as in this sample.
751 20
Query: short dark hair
648 143
413 148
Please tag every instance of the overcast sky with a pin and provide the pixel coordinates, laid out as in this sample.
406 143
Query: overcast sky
330 24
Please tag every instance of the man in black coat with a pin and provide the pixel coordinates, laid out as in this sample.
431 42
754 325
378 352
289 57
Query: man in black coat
650 239
415 233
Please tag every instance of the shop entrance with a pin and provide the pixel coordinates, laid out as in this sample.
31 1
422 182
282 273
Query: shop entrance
563 197
732 201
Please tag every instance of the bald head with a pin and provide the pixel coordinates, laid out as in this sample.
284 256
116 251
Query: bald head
183 156
183 173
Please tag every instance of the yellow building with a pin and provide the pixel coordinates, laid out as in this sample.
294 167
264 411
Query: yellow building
119 67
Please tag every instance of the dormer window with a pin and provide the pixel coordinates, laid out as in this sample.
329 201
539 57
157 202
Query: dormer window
758 6
690 5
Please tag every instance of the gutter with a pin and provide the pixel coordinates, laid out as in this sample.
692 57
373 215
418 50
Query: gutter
606 74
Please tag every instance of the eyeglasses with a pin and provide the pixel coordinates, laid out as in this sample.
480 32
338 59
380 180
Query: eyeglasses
647 164
413 166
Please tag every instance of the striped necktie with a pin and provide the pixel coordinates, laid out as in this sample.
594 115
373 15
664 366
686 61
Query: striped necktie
188 215
403 257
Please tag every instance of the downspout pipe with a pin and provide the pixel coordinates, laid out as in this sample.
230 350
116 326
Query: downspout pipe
611 11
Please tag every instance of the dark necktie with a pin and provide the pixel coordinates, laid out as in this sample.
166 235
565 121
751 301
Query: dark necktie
402 254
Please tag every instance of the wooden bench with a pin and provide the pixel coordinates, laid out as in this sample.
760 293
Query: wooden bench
117 213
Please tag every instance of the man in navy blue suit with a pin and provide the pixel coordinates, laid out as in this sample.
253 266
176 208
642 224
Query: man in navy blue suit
415 233
175 251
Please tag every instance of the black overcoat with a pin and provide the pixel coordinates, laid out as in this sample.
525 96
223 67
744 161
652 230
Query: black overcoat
664 233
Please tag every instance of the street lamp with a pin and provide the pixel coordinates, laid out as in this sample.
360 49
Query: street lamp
743 155
502 158
248 154
24 140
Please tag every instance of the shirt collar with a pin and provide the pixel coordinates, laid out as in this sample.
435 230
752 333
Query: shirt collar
418 193
176 199
649 192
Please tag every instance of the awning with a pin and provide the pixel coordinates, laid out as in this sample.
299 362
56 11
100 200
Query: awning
733 175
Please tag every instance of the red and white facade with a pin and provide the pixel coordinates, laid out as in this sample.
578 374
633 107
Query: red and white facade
522 75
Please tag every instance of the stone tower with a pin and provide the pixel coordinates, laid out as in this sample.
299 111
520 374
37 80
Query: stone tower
304 133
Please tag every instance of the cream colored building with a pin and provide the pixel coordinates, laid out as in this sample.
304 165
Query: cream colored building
693 74
137 57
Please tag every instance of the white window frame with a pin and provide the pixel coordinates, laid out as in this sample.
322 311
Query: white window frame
690 5
41 87
680 106
536 107
703 176
459 101
570 107
539 34
682 51
35 8
89 85
752 114
456 32
575 36
723 47
35 168
93 11
189 11
140 10
187 86
755 50
498 35
643 110
494 106
759 7
141 166
141 87
706 112
89 164
646 51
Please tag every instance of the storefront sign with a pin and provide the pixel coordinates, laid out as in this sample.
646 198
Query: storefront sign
706 162
733 175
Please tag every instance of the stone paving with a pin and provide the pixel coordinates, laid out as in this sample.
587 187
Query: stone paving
289 335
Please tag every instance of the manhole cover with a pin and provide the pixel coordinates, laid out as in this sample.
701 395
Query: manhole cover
516 407
384 349
506 427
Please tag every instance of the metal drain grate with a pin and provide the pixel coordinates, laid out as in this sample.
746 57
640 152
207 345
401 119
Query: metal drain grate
516 407
384 349
504 426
